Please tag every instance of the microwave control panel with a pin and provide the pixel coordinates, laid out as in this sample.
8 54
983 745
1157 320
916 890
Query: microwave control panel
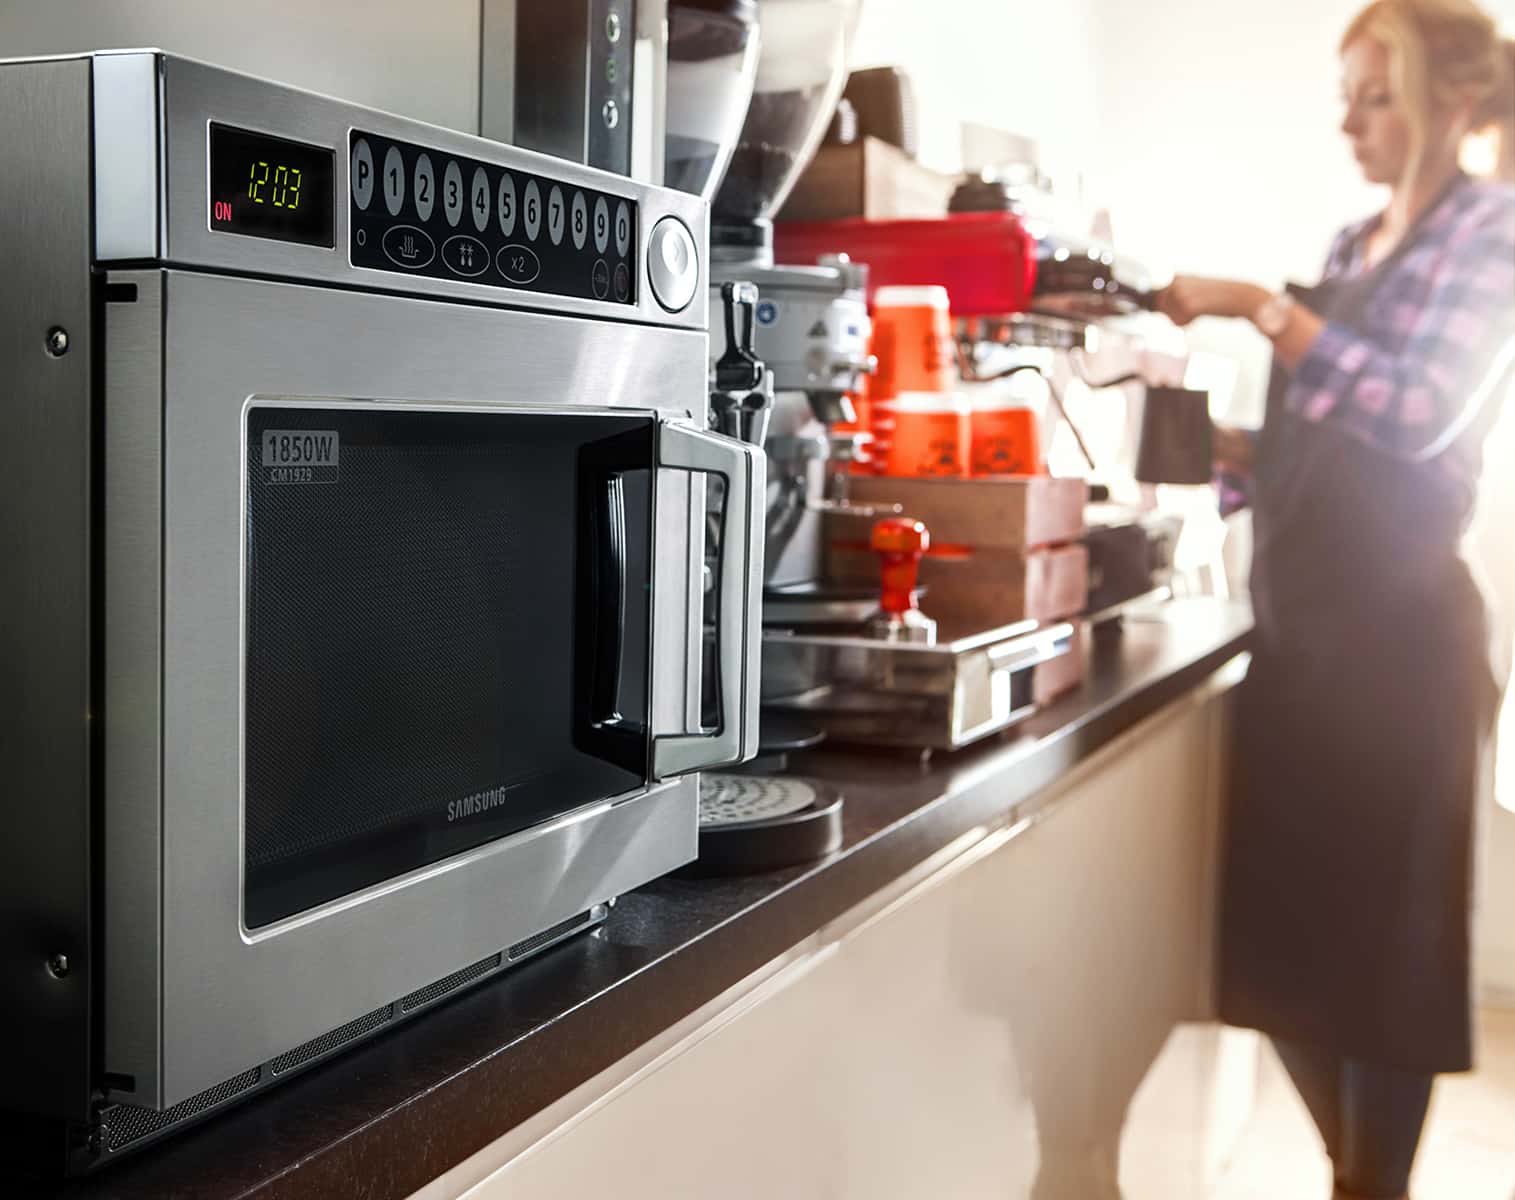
418 211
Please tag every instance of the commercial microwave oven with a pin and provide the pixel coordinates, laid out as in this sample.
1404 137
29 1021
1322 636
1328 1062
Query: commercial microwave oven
355 577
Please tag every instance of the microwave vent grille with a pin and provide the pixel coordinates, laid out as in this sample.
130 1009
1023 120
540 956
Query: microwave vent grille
126 1123
448 983
551 934
328 1042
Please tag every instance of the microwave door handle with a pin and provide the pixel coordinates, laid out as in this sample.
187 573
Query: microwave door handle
600 729
610 597
738 599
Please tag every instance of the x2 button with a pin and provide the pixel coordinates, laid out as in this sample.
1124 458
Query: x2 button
519 264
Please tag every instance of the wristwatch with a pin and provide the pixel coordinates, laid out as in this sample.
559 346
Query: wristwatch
1272 315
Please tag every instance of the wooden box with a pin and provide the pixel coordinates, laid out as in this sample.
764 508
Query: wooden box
1007 512
870 178
985 588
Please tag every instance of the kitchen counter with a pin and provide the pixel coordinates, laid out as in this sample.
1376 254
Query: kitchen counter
385 1119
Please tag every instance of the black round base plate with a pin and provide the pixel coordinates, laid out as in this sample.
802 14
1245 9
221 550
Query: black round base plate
768 843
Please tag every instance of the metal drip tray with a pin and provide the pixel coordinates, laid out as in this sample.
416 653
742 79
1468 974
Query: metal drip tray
761 823
941 697
738 799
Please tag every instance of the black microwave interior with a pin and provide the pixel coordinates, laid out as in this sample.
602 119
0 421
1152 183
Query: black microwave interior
448 634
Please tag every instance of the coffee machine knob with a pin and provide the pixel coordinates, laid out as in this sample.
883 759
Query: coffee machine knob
673 264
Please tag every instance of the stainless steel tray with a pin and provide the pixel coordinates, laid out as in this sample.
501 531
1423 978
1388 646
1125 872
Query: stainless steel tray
937 697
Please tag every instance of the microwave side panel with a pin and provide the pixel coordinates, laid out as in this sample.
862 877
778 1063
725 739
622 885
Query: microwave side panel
47 759
132 618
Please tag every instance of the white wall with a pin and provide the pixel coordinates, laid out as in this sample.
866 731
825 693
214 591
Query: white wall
416 57
1219 148
1025 65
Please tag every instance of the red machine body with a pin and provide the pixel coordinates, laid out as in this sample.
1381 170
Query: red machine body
985 260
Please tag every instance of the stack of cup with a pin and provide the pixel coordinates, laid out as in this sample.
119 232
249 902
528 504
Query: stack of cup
1005 434
920 425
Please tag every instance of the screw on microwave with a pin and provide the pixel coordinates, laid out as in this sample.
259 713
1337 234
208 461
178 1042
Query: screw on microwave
57 341
58 966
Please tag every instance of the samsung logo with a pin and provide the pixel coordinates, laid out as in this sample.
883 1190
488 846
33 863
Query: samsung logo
479 802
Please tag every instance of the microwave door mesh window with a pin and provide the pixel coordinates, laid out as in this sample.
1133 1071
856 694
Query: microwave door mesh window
416 638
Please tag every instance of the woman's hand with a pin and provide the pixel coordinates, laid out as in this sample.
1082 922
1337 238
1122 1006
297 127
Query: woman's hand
1234 449
1190 296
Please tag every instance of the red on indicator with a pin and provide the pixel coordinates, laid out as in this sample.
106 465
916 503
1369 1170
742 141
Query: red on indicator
222 210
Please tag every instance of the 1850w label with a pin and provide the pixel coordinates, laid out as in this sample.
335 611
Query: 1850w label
300 455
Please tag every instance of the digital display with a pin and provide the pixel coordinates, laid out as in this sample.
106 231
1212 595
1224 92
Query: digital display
268 187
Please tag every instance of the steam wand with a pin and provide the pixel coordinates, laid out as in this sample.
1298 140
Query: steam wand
741 398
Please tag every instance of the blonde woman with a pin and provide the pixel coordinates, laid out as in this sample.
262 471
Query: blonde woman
1371 696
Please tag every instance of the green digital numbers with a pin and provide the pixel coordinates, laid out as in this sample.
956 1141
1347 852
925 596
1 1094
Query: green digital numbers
282 191
257 181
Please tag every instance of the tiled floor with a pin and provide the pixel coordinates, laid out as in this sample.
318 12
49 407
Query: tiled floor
1468 1152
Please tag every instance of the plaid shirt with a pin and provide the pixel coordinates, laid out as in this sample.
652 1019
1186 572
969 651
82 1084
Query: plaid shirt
1441 318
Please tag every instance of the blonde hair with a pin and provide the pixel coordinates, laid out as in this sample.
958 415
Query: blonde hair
1442 53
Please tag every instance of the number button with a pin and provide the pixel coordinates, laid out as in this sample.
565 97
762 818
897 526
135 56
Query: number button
480 191
555 215
622 229
601 225
452 193
361 172
531 205
426 187
579 224
507 199
394 181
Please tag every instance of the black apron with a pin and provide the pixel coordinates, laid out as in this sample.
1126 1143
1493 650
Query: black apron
1348 876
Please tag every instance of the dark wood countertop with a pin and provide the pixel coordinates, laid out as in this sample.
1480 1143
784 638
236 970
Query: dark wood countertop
382 1120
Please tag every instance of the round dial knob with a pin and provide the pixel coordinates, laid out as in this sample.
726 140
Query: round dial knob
673 264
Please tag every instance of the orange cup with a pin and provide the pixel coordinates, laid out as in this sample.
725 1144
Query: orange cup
1004 440
912 337
928 436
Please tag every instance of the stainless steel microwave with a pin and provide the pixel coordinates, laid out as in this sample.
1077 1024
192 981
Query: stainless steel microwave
354 576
